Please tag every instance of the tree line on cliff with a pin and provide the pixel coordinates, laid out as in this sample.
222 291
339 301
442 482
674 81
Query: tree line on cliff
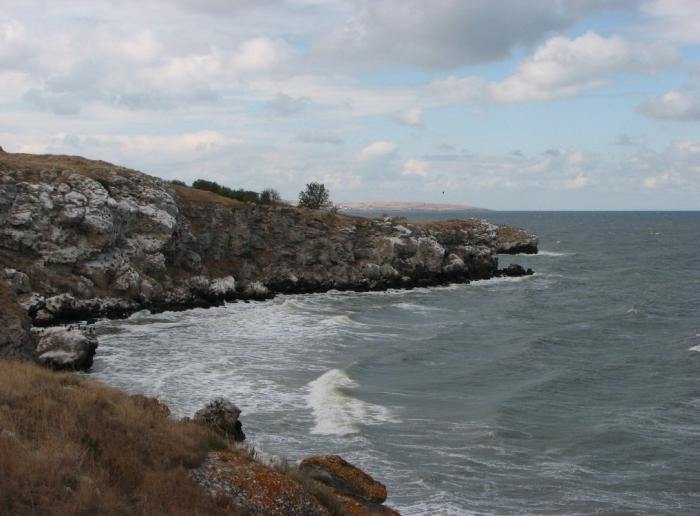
314 196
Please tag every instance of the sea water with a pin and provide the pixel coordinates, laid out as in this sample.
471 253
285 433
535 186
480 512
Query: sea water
573 391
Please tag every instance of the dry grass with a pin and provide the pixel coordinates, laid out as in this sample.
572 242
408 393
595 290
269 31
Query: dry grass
70 446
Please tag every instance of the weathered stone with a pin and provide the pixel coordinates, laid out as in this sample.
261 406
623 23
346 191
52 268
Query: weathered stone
15 338
345 478
514 270
94 230
65 348
222 416
19 281
260 490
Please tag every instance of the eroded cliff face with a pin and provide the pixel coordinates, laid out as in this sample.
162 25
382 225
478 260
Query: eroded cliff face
85 238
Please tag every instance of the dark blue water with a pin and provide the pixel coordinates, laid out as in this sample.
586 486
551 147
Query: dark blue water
575 391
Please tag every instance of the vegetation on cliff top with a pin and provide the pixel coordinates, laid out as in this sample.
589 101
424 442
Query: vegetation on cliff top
267 196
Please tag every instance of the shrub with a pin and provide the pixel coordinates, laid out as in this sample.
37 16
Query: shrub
316 197
225 191
177 182
270 196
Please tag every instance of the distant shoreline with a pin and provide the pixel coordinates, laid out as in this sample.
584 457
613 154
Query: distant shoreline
406 206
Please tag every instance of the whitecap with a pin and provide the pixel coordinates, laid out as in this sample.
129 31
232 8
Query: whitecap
553 253
335 411
695 348
502 279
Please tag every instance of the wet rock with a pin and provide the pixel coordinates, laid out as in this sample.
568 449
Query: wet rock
65 348
514 270
256 290
336 472
222 416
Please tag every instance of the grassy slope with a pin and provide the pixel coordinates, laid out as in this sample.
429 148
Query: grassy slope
71 446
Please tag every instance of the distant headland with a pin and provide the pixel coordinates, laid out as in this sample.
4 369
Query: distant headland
406 206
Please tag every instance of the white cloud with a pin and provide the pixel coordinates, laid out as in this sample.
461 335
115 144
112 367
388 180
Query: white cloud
414 167
442 34
376 150
674 105
411 116
675 20
580 181
562 67
260 54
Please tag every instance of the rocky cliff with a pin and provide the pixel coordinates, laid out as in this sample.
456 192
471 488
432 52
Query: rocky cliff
82 238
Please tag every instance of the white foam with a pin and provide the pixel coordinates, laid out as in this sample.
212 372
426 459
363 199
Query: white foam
552 253
502 279
335 411
695 348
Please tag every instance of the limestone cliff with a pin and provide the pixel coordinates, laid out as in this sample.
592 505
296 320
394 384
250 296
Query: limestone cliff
86 238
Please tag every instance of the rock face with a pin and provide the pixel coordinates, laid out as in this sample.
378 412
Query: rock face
85 238
515 241
358 492
222 416
65 348
16 341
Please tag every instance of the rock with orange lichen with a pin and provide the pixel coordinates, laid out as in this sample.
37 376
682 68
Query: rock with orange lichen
259 489
352 507
346 479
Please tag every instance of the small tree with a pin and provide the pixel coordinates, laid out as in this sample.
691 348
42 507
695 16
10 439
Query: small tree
270 196
316 197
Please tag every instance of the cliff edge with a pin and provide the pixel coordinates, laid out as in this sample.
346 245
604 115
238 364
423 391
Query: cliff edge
82 238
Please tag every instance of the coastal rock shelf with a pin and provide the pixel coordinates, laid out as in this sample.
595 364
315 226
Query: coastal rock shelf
82 239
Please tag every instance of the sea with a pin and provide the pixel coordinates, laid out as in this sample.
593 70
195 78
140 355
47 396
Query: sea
575 391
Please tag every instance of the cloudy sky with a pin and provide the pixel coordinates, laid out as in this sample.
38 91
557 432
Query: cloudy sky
506 104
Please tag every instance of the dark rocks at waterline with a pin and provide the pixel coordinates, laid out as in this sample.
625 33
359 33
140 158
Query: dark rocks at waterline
222 416
515 271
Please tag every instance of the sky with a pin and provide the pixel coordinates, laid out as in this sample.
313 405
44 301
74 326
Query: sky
503 104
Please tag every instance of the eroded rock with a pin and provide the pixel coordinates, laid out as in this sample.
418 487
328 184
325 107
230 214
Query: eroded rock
65 348
222 416
260 490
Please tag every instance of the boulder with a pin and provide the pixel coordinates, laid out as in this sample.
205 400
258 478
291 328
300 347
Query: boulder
65 348
514 270
258 489
343 477
222 416
256 290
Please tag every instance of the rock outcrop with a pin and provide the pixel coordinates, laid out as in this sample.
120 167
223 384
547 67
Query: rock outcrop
85 238
65 348
259 489
16 341
358 492
222 416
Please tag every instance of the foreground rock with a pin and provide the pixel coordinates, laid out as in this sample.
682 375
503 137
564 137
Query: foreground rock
222 416
257 488
84 238
65 348
358 492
